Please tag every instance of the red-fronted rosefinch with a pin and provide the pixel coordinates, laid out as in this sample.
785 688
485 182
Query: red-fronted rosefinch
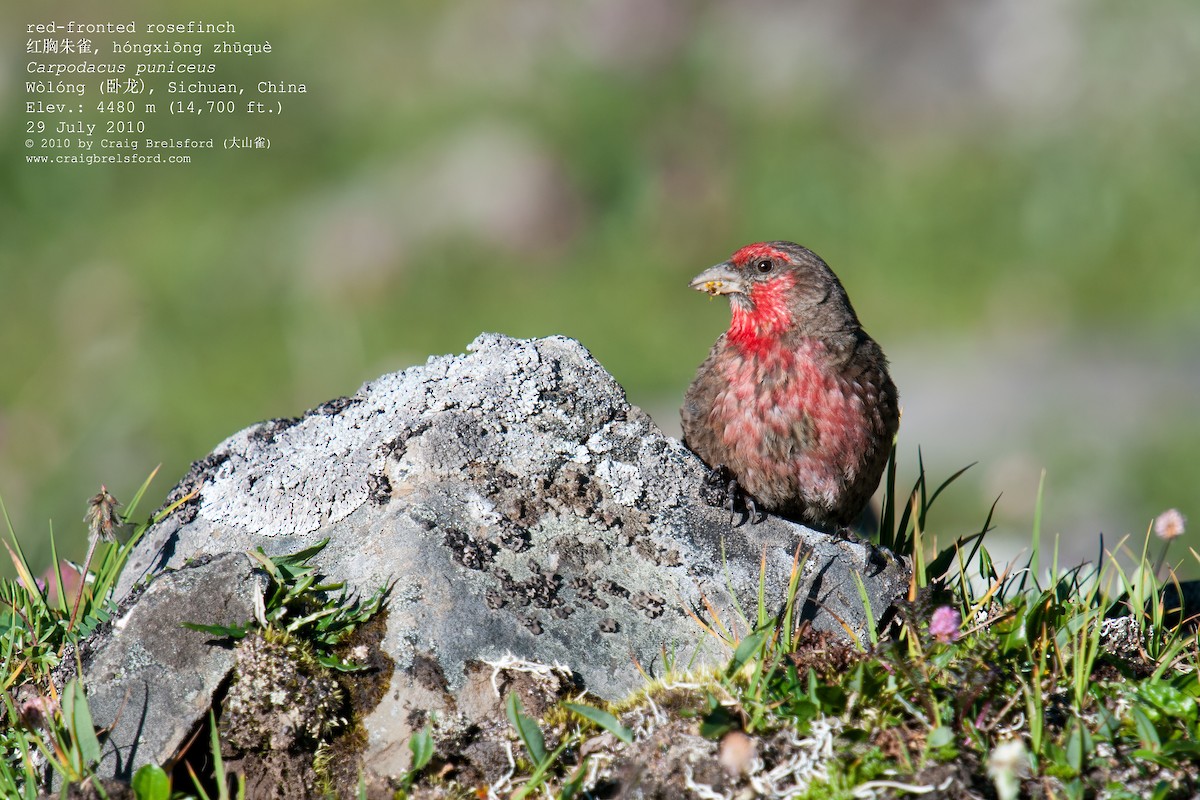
795 400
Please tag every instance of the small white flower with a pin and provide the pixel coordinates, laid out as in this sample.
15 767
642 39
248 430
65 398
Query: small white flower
1008 763
1170 524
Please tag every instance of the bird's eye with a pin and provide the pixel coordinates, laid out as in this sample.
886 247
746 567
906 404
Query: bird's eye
764 266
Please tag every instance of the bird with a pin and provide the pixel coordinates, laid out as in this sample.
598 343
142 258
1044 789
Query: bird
794 409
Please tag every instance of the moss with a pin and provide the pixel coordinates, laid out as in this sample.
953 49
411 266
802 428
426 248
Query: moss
362 647
281 697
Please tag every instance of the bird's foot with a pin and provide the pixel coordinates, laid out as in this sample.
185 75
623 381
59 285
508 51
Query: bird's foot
845 533
721 489
877 557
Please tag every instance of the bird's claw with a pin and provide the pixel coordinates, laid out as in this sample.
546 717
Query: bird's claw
755 514
721 489
845 533
877 557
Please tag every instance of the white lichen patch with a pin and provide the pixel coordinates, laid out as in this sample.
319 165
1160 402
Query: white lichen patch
481 510
624 481
295 477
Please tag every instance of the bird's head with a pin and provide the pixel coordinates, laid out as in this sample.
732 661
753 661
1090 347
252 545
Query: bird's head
776 287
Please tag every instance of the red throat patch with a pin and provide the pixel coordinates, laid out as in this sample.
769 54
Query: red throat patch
752 252
756 330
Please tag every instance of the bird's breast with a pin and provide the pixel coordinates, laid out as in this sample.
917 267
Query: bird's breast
786 416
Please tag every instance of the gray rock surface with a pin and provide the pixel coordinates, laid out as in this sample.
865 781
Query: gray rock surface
149 679
524 511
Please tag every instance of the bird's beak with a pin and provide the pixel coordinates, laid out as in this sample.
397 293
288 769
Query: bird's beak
721 279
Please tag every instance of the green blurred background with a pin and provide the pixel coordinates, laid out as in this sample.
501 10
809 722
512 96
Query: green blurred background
1009 190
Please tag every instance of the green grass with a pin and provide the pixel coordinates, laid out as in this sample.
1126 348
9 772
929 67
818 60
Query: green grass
1034 679
45 726
1049 682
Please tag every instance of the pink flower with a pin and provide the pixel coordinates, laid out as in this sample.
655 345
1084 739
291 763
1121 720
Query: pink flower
944 624
1169 524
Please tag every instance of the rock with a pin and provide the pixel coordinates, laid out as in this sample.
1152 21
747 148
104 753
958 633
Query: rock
529 517
150 679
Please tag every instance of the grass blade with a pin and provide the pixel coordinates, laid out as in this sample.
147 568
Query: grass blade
604 719
745 651
131 508
79 721
527 730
